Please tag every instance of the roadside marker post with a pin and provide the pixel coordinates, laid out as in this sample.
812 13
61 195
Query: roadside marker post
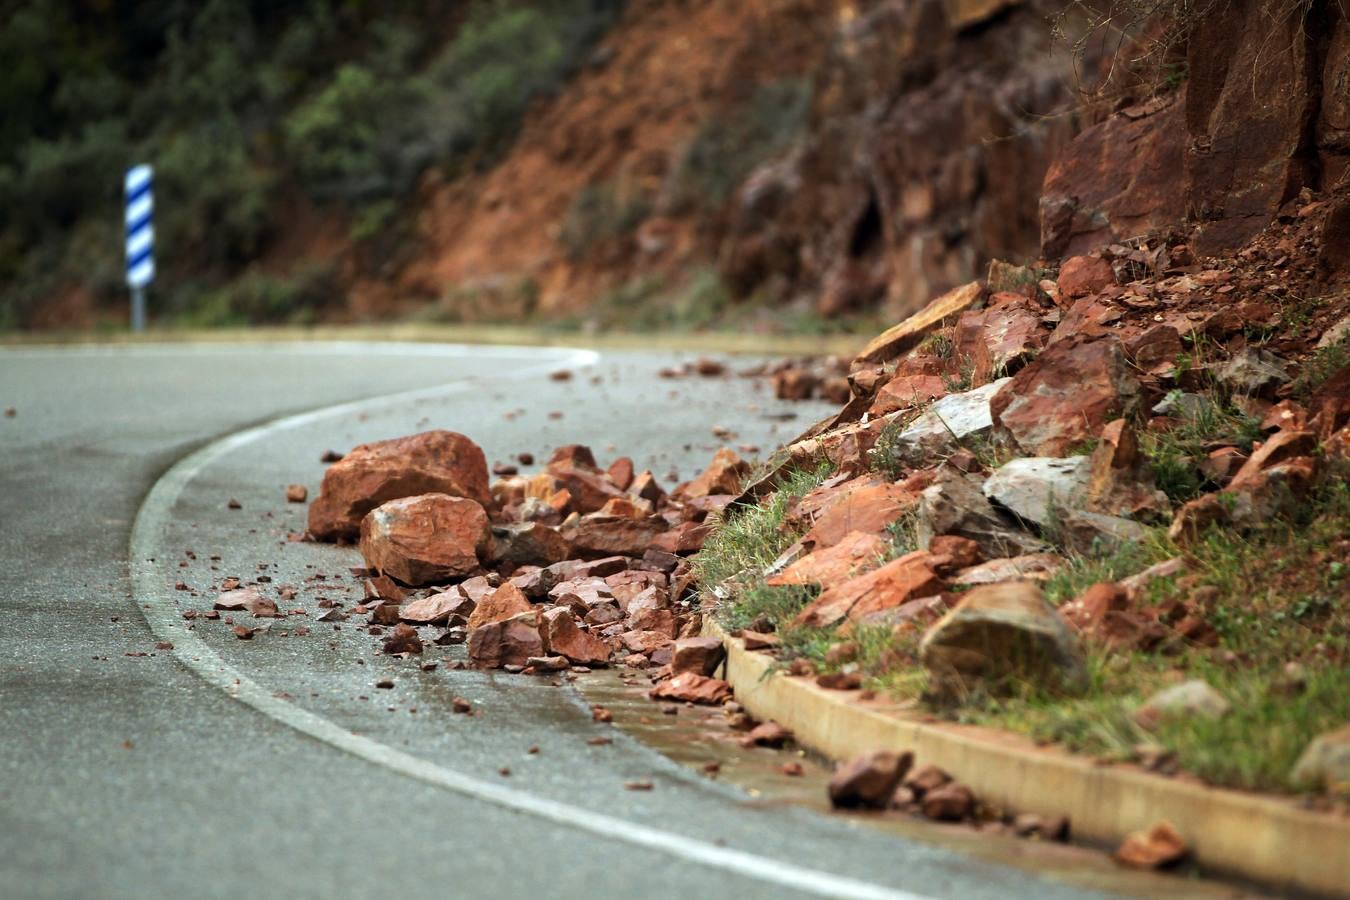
140 238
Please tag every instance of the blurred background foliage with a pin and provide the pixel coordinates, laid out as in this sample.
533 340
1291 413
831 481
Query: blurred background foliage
247 109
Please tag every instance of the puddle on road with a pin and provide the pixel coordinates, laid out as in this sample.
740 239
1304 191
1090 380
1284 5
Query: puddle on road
698 736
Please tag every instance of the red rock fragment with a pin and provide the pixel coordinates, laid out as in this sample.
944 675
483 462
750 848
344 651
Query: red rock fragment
403 639
372 474
426 538
562 636
296 493
840 681
503 603
854 554
509 642
689 687
436 609
1156 848
723 476
868 780
237 600
768 734
700 655
1080 276
949 803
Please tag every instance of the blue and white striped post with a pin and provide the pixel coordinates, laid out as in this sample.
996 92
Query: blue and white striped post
140 209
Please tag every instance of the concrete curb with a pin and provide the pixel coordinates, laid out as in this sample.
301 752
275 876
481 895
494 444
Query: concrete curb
1267 839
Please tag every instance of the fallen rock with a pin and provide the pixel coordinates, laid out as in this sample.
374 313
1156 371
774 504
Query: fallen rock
999 633
1039 489
1087 533
562 636
507 642
403 639
685 538
237 600
425 539
434 462
897 339
1121 481
1325 763
436 609
503 603
1194 699
1001 337
595 535
1156 848
952 552
688 687
1028 567
1080 276
723 476
296 493
548 663
949 803
926 778
947 425
768 734
856 553
868 780
899 581
758 640
529 544
700 655
261 607
1253 372
869 508
953 504
1062 398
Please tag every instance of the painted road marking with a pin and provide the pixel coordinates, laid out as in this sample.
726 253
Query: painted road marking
162 615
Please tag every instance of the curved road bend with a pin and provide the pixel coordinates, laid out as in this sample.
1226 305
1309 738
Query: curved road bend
156 775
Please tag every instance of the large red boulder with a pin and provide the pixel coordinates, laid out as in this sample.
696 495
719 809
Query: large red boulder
1062 399
433 462
425 539
1120 178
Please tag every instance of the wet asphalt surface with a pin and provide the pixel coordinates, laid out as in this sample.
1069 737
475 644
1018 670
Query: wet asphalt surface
128 776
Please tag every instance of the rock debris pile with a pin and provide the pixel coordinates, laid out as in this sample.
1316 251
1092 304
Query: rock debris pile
576 567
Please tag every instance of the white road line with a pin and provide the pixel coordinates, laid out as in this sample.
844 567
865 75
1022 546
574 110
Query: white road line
161 612
307 348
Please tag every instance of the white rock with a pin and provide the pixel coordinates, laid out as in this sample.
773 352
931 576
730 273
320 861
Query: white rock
1033 487
1192 699
948 422
1325 764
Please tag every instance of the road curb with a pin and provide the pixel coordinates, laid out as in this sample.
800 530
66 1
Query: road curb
1266 839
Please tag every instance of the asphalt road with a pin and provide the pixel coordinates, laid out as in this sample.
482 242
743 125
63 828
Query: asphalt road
274 767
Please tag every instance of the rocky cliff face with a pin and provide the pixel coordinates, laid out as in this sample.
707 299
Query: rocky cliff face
930 125
933 127
1264 115
936 135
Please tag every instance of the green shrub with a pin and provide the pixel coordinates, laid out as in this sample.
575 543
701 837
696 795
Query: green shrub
258 298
